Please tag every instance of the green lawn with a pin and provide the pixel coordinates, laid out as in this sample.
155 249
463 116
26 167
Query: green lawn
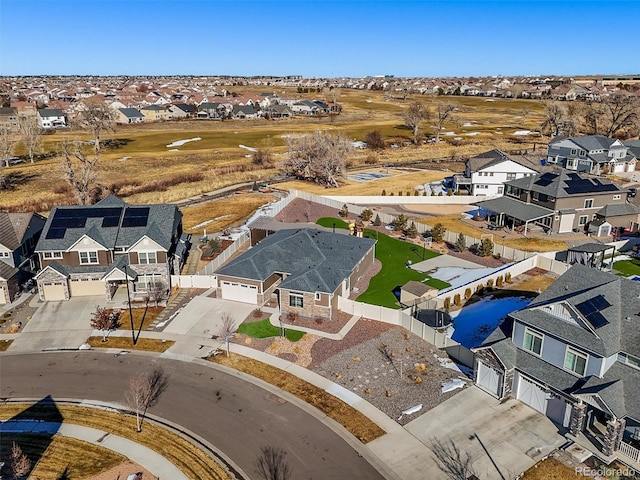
393 254
627 268
264 329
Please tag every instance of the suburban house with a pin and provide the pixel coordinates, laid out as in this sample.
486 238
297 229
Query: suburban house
9 117
19 233
213 110
93 250
279 111
155 113
595 154
243 112
305 269
573 354
129 115
486 173
51 118
182 110
561 202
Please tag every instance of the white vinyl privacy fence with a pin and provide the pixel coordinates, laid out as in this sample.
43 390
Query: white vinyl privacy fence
227 253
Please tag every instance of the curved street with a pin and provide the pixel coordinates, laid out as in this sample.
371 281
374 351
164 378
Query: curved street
236 416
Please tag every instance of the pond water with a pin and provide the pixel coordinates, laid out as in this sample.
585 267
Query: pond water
475 322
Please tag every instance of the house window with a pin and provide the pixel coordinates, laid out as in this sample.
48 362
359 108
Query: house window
120 249
88 258
511 176
582 153
491 174
51 255
500 190
582 220
318 296
616 197
573 151
4 254
629 360
144 282
296 300
145 258
575 361
532 341
588 203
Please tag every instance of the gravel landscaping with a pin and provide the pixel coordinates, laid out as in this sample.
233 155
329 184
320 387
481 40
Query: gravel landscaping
15 319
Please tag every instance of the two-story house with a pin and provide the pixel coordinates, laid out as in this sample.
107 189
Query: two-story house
51 118
486 173
595 154
19 233
561 202
573 354
182 110
9 117
93 250
155 113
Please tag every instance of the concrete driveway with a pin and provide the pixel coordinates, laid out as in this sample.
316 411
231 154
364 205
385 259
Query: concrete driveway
202 316
58 325
502 439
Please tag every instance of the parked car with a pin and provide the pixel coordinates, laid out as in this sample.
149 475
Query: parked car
633 191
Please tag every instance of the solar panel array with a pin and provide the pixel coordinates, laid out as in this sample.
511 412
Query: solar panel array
591 309
135 217
576 184
77 218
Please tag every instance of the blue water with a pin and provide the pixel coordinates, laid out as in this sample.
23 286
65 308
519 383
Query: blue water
476 322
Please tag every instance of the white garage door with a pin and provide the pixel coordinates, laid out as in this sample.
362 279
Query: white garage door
558 411
489 379
85 288
532 394
240 292
53 292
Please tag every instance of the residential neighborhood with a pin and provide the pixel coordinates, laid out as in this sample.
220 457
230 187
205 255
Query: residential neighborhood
294 240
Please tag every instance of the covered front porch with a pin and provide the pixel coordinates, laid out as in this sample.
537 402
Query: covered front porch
516 215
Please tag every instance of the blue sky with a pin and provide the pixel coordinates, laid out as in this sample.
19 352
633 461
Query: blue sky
319 38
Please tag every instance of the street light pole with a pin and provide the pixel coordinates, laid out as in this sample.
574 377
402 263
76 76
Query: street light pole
126 280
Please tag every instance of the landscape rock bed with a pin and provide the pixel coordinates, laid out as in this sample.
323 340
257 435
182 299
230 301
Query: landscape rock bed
367 371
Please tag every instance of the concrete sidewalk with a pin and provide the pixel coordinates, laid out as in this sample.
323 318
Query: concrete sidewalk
152 461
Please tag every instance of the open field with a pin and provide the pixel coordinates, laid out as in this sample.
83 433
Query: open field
144 169
216 216
401 181
193 462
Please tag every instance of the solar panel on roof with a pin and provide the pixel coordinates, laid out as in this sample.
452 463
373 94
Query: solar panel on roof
592 309
110 222
135 217
54 233
134 222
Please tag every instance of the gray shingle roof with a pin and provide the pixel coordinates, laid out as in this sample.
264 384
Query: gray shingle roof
616 209
546 373
131 113
563 184
618 389
616 327
487 159
514 208
315 260
15 227
7 271
50 112
162 222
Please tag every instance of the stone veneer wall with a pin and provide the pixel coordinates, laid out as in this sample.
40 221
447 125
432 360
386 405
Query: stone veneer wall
309 309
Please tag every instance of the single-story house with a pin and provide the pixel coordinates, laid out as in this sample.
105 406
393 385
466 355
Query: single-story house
305 269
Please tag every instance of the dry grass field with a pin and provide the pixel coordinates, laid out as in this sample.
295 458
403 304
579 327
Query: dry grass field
144 169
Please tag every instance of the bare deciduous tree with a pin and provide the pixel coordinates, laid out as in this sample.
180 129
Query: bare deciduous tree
263 156
319 157
31 135
444 113
157 292
20 463
228 329
272 464
97 117
415 114
451 461
8 141
105 320
79 171
374 140
558 120
145 389
613 115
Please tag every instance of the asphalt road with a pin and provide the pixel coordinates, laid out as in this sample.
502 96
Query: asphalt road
234 415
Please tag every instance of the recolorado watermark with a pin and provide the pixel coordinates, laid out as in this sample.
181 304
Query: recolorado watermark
605 471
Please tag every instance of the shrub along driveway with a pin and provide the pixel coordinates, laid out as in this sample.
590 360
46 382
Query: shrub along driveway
394 255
